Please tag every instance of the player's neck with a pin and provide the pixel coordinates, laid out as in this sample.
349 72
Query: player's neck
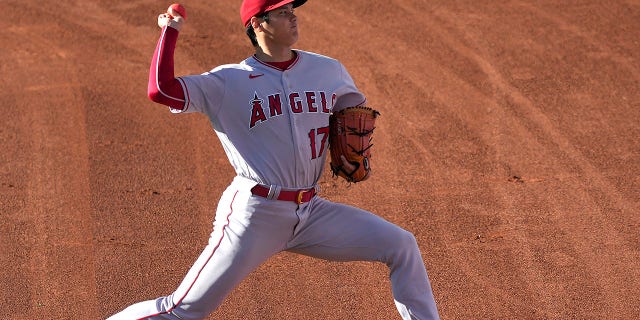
274 55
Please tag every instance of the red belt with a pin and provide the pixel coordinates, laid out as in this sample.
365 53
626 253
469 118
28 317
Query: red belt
297 196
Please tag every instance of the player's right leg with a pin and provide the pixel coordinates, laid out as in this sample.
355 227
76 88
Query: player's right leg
247 231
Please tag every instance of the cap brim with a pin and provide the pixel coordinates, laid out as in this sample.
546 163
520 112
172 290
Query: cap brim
296 3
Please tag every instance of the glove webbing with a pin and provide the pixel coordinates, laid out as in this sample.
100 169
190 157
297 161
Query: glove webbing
363 133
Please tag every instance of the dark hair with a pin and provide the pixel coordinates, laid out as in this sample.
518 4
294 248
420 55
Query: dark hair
252 34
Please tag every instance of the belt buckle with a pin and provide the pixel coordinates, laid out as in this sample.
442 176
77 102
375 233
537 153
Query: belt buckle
299 196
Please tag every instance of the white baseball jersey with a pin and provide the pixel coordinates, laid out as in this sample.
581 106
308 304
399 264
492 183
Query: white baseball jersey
274 124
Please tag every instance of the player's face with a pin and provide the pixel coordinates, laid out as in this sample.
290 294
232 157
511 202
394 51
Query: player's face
282 28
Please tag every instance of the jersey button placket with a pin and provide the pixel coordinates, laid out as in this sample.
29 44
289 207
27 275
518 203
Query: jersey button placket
285 79
288 88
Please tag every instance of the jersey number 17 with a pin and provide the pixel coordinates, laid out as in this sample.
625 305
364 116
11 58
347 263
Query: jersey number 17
323 132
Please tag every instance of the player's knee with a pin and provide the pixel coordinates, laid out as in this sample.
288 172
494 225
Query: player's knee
188 312
407 241
403 245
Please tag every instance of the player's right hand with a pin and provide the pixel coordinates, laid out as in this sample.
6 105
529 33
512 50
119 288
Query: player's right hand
172 19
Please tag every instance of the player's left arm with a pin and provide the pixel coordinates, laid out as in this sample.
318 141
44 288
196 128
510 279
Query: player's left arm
351 126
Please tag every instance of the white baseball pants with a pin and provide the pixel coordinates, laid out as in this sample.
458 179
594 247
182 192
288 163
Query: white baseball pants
249 229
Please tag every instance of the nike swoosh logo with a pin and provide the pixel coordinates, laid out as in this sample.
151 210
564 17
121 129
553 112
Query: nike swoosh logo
253 76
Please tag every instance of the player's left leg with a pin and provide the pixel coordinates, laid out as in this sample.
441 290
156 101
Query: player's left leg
339 232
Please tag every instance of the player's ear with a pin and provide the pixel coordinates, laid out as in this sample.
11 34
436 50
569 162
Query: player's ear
255 22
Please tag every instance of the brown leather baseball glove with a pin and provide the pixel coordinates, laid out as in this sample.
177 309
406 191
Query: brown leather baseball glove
350 142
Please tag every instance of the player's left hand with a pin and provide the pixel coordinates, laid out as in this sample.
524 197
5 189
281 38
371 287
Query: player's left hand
171 18
350 167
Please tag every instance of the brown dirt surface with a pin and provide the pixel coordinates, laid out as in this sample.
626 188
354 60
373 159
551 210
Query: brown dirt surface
509 144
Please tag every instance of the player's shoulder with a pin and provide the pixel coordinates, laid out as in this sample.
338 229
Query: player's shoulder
316 57
316 61
227 72
231 68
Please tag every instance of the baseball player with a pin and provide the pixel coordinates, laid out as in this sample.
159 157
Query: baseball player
271 113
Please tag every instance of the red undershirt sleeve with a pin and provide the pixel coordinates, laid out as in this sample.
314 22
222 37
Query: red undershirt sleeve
163 87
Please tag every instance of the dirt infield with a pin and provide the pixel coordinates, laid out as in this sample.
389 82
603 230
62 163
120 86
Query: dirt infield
509 144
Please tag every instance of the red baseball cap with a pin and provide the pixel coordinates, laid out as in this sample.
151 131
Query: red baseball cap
250 8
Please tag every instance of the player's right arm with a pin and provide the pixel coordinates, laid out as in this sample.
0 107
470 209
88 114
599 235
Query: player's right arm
164 87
